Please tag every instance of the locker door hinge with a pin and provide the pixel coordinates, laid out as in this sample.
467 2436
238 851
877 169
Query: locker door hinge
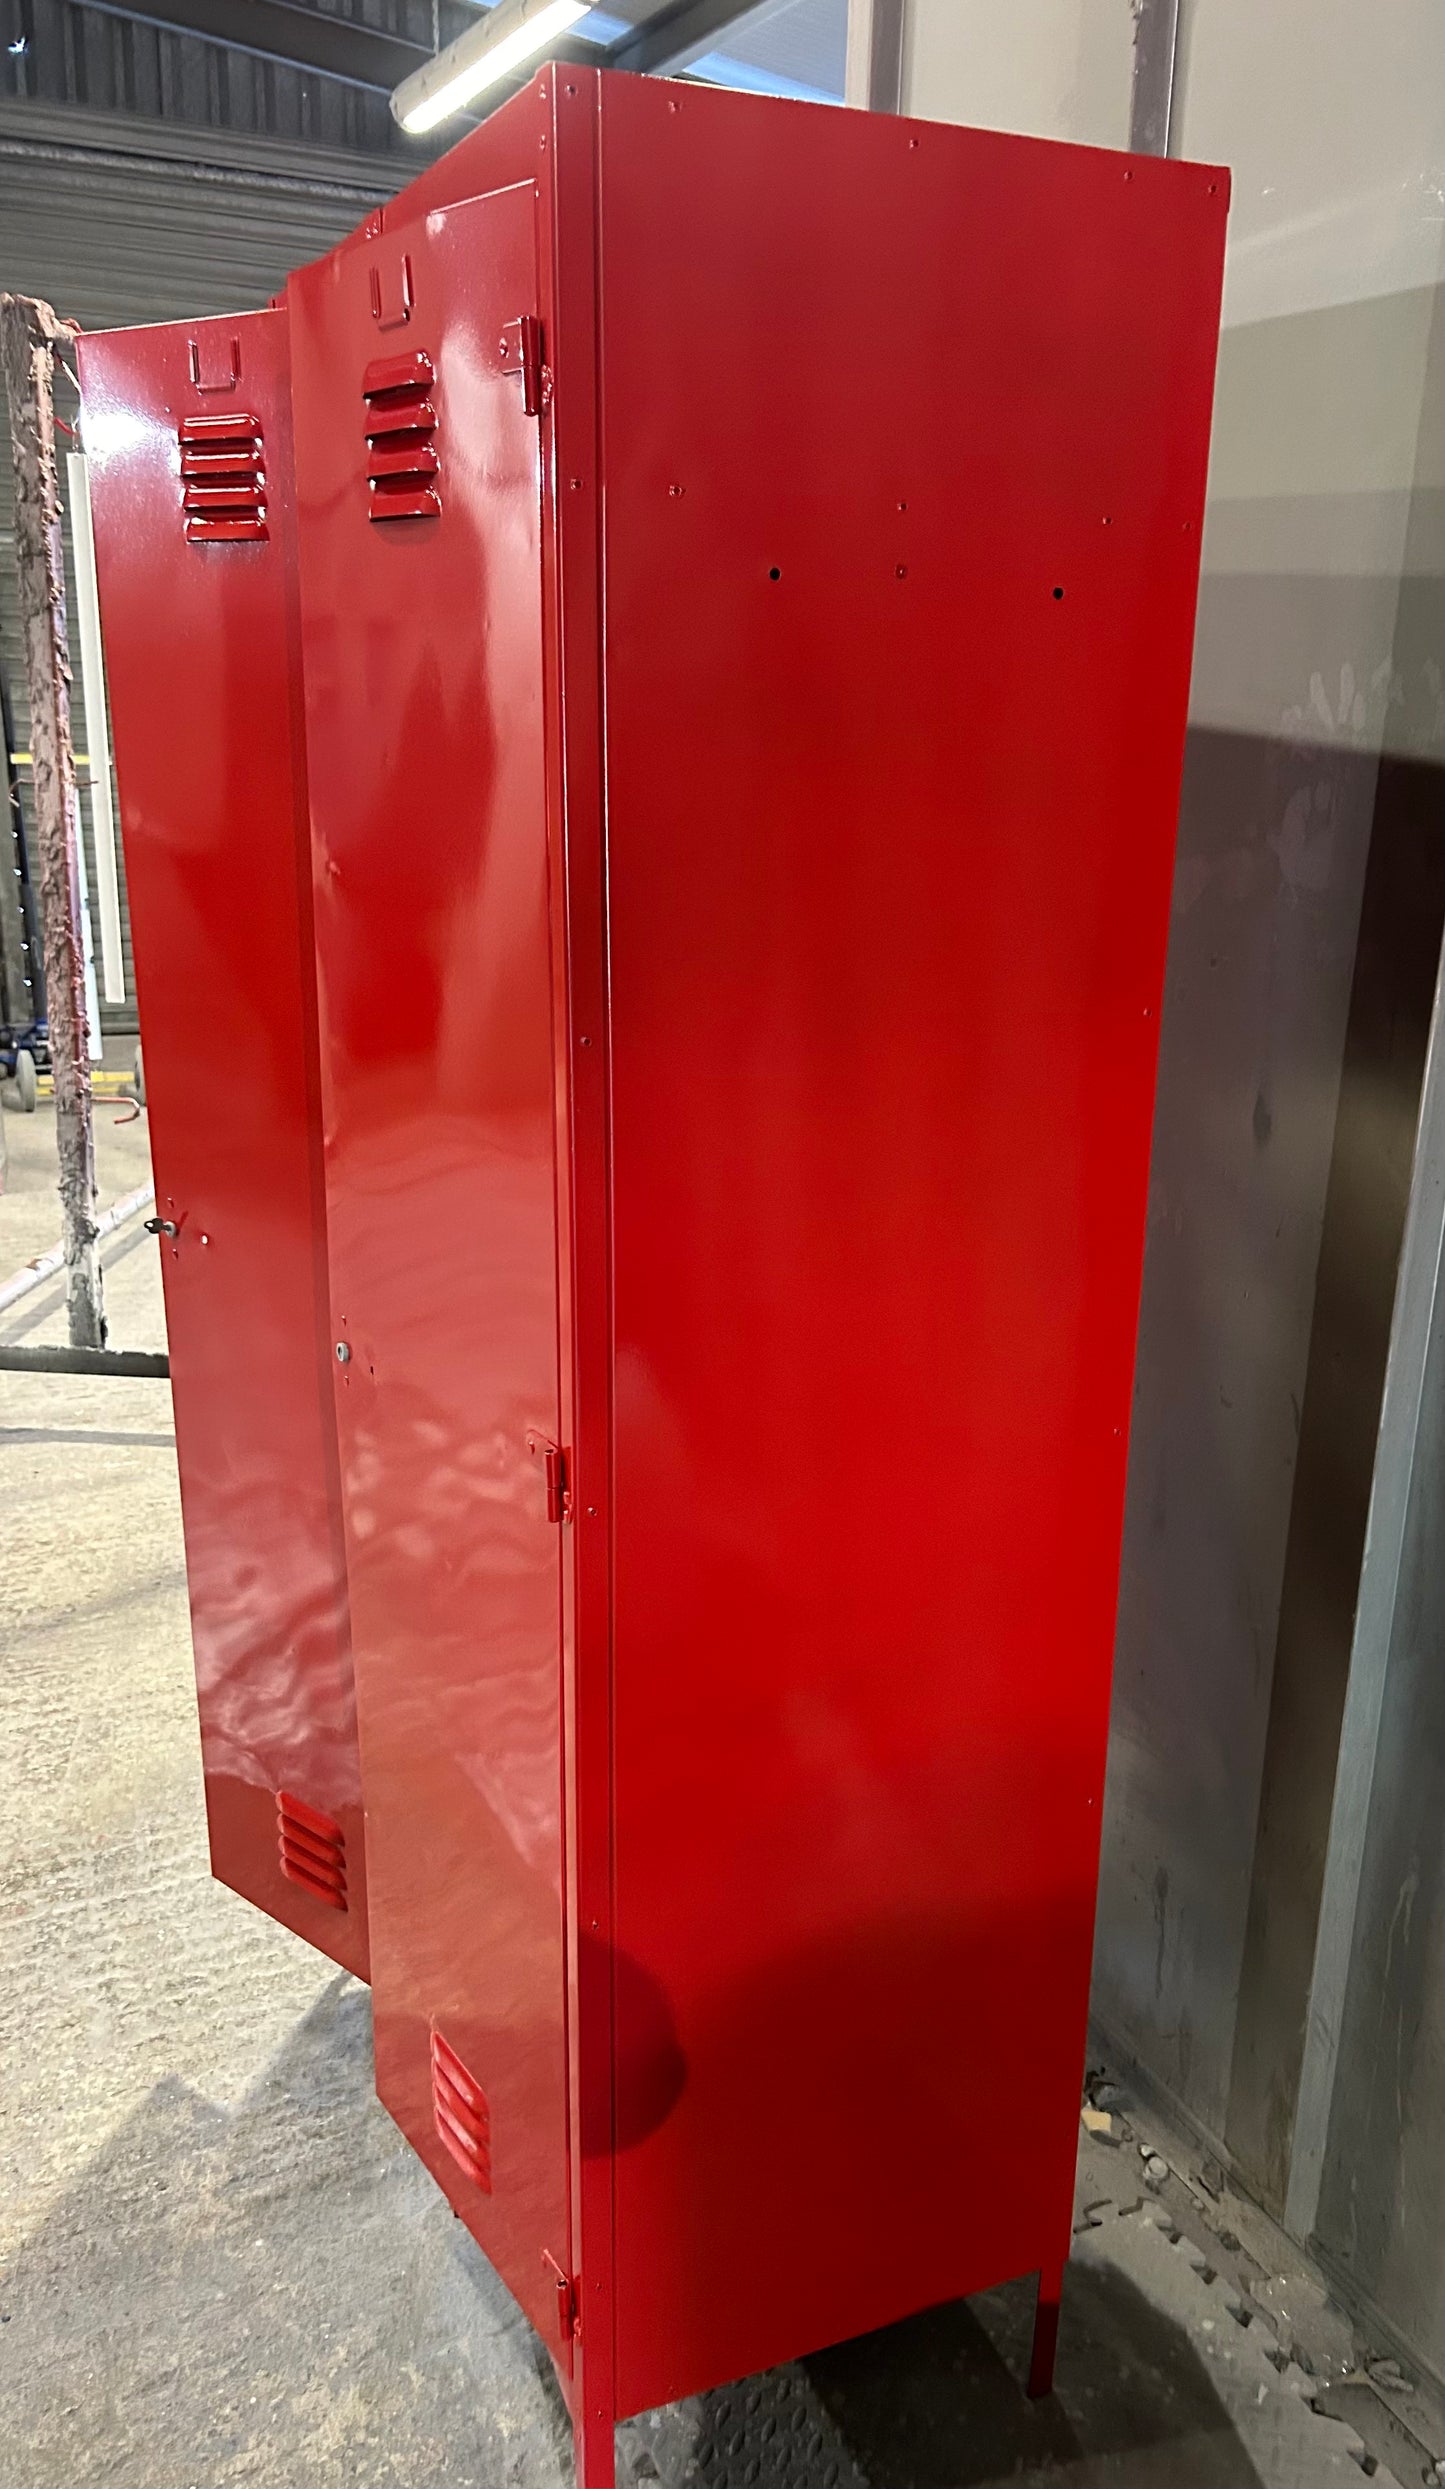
520 347
569 2316
556 1477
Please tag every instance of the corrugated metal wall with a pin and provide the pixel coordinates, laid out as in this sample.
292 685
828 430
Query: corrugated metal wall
148 175
75 54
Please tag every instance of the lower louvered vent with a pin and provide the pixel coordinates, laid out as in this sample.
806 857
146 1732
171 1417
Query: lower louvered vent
223 479
459 2108
313 1850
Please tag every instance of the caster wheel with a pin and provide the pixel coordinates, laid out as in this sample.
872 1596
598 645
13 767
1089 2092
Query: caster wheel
27 1085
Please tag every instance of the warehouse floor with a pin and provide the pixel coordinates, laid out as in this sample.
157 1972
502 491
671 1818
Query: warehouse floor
218 2262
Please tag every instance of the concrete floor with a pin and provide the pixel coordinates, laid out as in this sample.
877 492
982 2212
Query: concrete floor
218 2262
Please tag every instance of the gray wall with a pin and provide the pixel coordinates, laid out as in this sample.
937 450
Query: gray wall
1381 2197
1308 906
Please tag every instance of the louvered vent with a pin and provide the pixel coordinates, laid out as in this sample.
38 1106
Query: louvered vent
223 478
463 2119
401 459
313 1850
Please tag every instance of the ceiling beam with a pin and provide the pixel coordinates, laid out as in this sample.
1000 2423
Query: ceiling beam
338 47
670 33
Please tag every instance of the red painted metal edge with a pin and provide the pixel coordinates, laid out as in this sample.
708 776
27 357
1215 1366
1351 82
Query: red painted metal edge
572 625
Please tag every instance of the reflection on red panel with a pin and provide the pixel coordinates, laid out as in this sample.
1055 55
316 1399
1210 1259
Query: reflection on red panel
906 437
188 435
425 733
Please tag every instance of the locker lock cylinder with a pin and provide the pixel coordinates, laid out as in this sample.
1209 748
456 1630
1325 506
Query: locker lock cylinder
343 1352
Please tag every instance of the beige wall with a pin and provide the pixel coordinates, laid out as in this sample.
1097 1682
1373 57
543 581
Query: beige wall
1049 68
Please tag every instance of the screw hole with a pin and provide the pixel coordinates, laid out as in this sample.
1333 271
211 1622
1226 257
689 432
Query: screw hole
1108 522
1058 594
775 574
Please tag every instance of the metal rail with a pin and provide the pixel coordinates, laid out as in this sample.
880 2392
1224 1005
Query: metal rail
143 1361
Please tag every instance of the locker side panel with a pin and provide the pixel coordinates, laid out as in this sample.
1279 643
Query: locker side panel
420 445
198 600
905 434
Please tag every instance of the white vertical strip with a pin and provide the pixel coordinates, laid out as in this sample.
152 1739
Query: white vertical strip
97 727
858 60
95 1044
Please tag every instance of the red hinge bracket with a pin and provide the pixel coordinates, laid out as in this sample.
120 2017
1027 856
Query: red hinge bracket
520 347
555 1475
569 2307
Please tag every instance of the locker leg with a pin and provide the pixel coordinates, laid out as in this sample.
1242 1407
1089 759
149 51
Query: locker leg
595 2450
1046 2329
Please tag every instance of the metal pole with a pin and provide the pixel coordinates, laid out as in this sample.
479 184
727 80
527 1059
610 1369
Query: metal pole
1156 61
873 77
29 334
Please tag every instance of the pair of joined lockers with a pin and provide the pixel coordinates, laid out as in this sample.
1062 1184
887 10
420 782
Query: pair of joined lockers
685 620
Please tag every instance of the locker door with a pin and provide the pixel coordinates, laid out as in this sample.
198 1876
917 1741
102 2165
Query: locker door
419 494
188 429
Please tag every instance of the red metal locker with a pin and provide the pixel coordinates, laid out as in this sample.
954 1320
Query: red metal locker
187 430
747 564
905 433
424 684
748 558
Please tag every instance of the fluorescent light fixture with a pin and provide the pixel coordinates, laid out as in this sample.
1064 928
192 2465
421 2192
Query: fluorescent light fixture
512 32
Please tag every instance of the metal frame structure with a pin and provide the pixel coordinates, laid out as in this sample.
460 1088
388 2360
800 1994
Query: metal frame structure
339 47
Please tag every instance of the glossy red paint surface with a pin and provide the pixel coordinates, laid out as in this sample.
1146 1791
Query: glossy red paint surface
204 686
424 690
743 815
906 439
